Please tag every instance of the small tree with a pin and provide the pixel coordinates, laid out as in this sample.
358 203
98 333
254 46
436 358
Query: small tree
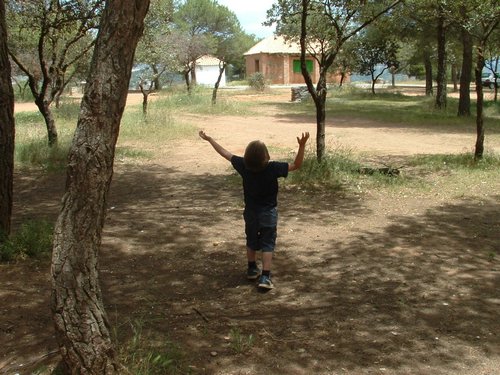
59 35
231 44
153 48
376 53
200 22
323 27
483 24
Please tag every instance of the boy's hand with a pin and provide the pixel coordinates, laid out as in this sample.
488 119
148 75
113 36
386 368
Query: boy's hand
302 141
203 135
217 147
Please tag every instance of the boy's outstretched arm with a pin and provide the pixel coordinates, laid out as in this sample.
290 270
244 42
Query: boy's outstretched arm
300 153
217 147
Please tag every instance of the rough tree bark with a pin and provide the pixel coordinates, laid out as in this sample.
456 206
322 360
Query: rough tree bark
81 323
466 73
222 68
479 147
7 131
428 72
441 63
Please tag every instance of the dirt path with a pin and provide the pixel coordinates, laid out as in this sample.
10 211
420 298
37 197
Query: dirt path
367 282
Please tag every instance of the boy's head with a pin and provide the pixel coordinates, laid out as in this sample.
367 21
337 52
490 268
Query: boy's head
256 156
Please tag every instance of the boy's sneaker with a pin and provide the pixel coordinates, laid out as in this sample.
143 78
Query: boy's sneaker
265 282
253 273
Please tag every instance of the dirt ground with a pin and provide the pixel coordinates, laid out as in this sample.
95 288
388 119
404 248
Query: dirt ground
387 281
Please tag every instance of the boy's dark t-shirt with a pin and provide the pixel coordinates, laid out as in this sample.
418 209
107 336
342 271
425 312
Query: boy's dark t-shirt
260 189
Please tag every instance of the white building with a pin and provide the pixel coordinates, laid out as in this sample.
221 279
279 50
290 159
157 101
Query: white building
207 71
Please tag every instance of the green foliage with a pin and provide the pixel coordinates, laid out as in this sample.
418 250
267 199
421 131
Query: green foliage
124 152
32 240
28 118
145 354
239 342
394 107
22 93
257 81
457 162
336 168
68 110
37 153
198 102
32 149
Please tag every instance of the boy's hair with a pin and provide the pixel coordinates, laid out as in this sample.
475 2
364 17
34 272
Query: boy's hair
256 156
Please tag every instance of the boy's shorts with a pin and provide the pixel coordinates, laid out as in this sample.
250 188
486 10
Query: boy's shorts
260 229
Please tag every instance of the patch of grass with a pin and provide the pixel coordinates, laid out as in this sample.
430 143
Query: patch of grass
32 240
157 127
239 342
241 82
456 162
131 153
146 354
337 168
394 107
68 110
199 102
28 118
38 154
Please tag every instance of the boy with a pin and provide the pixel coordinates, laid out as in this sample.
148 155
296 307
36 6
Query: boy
260 188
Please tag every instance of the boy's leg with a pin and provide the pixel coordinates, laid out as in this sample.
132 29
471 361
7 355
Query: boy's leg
251 255
268 221
252 234
253 271
265 279
267 260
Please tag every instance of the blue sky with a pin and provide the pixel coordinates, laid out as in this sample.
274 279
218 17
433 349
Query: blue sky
251 14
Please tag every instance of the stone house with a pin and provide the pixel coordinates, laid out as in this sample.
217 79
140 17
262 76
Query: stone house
279 62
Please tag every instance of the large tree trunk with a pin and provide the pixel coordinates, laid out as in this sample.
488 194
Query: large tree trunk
81 323
7 131
466 74
428 72
479 148
441 64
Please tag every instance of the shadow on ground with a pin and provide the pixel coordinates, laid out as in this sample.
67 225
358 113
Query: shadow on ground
417 293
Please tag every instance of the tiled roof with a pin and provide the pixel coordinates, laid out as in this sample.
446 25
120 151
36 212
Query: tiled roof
208 60
274 44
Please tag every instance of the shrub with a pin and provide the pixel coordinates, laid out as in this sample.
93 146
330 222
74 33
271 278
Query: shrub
33 240
147 354
38 153
257 81
337 167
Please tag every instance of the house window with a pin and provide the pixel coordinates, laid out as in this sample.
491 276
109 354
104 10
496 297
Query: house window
257 66
296 66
